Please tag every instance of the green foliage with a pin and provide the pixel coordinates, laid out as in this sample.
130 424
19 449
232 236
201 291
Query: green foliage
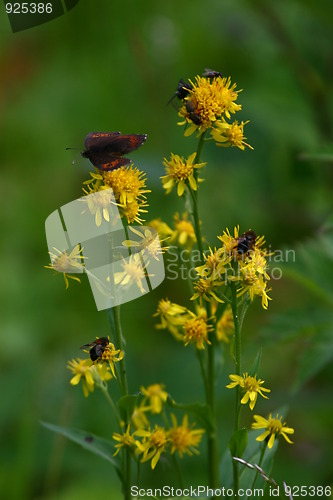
238 442
95 444
199 410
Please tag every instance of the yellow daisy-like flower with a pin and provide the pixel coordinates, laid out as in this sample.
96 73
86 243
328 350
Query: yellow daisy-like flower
172 317
247 263
180 172
133 272
196 331
162 228
225 327
101 203
273 427
251 386
110 355
156 395
153 444
207 101
138 418
206 288
183 439
255 285
133 210
125 440
81 368
149 244
230 134
128 184
129 189
230 242
214 265
64 262
183 233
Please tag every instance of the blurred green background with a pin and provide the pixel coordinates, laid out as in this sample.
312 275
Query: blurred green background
113 66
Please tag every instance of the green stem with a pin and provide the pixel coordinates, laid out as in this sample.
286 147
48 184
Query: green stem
260 462
202 368
114 317
194 195
210 398
113 406
209 380
179 471
237 358
197 228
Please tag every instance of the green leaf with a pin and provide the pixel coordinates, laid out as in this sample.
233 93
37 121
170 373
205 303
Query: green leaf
90 442
256 364
126 405
226 470
238 443
201 411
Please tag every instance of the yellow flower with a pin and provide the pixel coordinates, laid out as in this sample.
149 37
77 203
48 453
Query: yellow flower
110 355
196 331
225 327
248 268
205 288
62 262
184 439
129 189
139 418
153 444
125 440
273 427
149 244
81 368
156 395
214 265
101 204
207 101
101 372
251 386
255 285
162 228
225 134
229 242
183 233
133 272
172 317
180 172
128 184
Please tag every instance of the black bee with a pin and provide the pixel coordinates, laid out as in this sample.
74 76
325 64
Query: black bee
97 347
182 91
190 108
211 73
246 242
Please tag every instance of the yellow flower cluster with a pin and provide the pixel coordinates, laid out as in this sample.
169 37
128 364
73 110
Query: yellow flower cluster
240 259
208 103
149 442
128 186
